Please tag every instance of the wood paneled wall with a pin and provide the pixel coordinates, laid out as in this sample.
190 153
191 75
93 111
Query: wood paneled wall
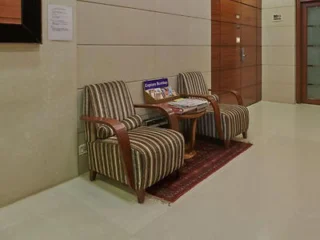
236 29
10 11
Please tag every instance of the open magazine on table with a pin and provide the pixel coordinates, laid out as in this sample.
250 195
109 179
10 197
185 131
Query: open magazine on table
190 107
188 103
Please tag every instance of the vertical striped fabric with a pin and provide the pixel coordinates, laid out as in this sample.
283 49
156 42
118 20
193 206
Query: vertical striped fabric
234 118
112 100
194 83
234 121
156 152
130 123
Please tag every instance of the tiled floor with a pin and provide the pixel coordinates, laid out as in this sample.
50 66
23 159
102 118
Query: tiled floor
271 192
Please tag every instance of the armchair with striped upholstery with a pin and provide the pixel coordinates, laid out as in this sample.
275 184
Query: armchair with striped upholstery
222 121
119 147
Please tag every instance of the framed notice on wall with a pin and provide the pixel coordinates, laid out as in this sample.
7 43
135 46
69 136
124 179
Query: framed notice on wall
60 23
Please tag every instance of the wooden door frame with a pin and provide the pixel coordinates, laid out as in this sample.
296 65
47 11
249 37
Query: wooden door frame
300 54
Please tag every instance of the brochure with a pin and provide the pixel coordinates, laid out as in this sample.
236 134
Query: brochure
155 93
159 89
168 92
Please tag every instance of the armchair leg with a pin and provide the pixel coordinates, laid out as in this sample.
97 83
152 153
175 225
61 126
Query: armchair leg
245 135
141 195
93 175
227 143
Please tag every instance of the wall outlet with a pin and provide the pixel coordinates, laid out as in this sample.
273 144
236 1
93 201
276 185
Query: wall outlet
83 149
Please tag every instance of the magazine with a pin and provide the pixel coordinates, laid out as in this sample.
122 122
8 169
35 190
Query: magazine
159 89
178 110
161 93
168 92
155 93
188 103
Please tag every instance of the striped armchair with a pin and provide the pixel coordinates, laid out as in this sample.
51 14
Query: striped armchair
119 147
222 121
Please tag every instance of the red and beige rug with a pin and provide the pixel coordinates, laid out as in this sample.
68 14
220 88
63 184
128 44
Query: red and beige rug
210 158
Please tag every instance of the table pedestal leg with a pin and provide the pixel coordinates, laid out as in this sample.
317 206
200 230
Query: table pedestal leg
190 152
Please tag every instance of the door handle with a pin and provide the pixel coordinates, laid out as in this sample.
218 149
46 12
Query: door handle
242 54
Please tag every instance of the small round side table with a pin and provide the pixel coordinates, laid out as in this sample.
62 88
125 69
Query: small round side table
193 116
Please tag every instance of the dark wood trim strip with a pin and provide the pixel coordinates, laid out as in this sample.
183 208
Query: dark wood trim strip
303 58
301 51
298 52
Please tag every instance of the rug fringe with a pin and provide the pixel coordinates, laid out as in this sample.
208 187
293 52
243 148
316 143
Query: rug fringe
245 141
157 199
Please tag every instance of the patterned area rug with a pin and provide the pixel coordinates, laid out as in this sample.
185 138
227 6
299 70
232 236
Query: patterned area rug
210 158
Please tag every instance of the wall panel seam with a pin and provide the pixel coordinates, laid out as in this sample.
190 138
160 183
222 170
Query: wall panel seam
140 80
142 45
146 10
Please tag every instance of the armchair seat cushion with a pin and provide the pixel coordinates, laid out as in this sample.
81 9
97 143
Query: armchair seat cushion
234 118
234 121
156 153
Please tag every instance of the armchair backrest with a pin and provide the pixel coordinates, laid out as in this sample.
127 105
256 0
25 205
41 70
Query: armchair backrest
192 83
109 100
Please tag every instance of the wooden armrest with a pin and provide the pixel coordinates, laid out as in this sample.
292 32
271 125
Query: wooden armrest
215 107
233 92
123 139
172 118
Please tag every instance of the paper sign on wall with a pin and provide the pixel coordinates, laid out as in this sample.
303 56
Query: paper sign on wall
277 17
60 23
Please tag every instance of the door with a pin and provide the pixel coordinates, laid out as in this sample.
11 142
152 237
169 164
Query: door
311 53
236 49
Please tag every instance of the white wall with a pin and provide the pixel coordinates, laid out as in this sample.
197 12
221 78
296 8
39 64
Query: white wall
38 115
42 84
138 40
278 51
